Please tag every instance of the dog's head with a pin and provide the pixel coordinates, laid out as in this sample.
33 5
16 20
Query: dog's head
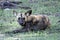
21 17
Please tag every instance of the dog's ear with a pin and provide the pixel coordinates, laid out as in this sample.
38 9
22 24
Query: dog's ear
28 13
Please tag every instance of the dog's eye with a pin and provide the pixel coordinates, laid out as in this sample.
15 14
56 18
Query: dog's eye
19 18
23 18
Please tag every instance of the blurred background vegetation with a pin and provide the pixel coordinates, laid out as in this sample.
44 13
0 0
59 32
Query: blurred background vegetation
51 8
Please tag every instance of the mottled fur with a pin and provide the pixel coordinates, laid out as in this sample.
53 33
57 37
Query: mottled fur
33 22
41 21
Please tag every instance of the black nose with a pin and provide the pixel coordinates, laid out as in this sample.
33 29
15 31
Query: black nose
21 23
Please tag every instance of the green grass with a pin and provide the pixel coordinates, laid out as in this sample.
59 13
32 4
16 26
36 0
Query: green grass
8 22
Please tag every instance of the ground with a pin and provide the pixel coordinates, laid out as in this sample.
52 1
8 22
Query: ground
51 8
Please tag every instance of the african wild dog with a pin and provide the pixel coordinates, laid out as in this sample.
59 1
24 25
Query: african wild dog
32 22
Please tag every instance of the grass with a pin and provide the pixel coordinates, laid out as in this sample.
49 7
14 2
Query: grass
8 22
